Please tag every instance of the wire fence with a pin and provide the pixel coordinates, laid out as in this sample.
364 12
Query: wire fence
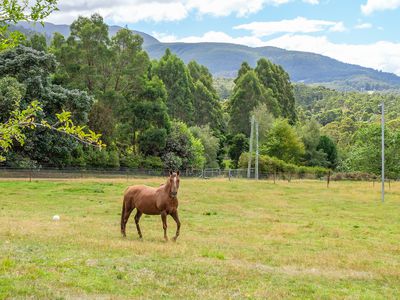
76 173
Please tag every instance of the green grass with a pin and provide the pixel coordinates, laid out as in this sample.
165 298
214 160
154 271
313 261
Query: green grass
239 239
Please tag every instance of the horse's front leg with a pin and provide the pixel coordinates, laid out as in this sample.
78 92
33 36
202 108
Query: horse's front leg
164 221
175 216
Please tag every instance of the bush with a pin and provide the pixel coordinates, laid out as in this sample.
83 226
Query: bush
152 162
271 165
130 160
152 141
356 176
172 161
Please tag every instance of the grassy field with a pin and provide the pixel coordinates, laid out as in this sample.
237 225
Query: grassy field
239 239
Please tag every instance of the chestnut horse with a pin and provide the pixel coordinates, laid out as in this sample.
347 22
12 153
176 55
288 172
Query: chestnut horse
152 201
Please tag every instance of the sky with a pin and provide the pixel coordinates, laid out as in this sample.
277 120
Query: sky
362 32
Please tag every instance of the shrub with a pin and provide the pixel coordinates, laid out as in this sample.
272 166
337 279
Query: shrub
356 176
270 165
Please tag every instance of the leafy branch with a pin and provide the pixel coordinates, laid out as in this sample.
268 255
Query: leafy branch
13 11
13 129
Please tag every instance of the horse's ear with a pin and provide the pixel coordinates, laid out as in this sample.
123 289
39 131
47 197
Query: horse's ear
170 172
177 172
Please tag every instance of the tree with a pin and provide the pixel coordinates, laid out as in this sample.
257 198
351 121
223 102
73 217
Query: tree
37 42
210 142
365 154
174 74
146 110
207 107
310 135
129 62
248 94
152 142
183 150
205 98
244 68
238 145
327 145
283 143
35 81
13 11
101 120
88 48
11 92
264 119
277 79
19 120
31 70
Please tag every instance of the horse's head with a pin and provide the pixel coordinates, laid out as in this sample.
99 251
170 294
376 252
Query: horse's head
173 183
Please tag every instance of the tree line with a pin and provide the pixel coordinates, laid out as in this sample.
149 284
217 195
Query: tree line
151 113
168 114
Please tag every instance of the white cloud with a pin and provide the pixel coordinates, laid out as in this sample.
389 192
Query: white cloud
363 26
381 55
299 24
379 5
120 11
212 36
164 37
131 11
226 7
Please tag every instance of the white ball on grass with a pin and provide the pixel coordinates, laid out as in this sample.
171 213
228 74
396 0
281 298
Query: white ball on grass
56 218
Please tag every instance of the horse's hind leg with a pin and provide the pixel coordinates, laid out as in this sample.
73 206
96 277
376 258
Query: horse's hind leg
137 218
127 209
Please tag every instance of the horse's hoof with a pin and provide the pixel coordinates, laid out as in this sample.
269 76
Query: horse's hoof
174 238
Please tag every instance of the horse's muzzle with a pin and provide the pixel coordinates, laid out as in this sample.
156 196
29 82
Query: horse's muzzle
173 194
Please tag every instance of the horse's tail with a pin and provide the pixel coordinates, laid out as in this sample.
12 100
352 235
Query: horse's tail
122 217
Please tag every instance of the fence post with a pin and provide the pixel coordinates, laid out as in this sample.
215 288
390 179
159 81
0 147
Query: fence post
229 174
328 178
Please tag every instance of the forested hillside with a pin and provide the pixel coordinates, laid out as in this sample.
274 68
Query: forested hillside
224 60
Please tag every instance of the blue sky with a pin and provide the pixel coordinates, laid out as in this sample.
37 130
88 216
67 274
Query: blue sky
363 32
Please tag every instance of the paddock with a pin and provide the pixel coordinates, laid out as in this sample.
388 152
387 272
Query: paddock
239 239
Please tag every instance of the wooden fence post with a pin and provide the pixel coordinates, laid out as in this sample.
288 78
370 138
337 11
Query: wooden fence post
328 180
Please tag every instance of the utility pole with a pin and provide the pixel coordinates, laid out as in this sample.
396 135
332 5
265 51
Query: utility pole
383 150
256 165
251 147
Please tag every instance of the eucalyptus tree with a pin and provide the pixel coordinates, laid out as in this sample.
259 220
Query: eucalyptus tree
247 95
176 78
274 77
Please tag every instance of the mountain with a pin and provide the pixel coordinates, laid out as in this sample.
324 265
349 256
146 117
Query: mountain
223 60
48 29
